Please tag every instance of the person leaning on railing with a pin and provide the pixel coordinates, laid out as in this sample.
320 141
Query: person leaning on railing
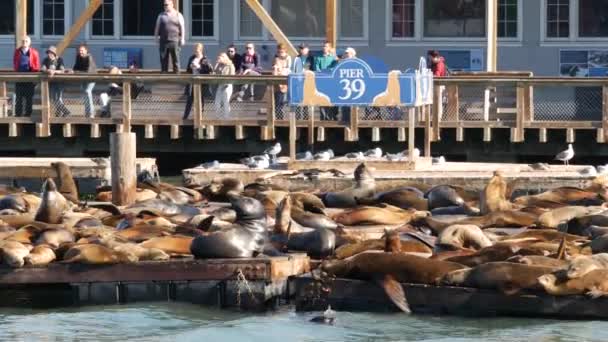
223 67
86 64
116 89
250 65
279 67
25 59
198 64
304 61
52 65
324 63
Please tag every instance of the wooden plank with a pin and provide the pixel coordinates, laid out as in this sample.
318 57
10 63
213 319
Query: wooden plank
271 26
459 134
123 159
487 134
600 137
20 21
271 112
126 106
175 132
375 134
198 106
350 165
522 112
78 25
13 130
411 134
68 131
401 134
542 135
210 132
331 22
239 132
3 95
149 131
45 110
95 131
311 127
354 124
437 109
293 136
428 134
570 136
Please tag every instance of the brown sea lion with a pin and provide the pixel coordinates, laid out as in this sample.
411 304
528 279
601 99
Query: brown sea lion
53 205
538 260
506 277
495 253
312 220
386 215
67 185
143 232
560 216
25 234
464 236
407 246
142 253
13 253
365 186
547 235
6 231
566 195
594 284
140 195
447 254
494 219
404 198
179 245
41 255
218 189
54 237
581 265
94 254
494 196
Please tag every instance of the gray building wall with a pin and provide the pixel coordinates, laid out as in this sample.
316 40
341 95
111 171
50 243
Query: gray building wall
528 52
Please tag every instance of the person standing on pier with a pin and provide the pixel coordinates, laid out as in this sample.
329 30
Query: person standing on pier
25 59
223 67
170 33
438 66
197 65
325 63
86 64
304 61
52 65
235 57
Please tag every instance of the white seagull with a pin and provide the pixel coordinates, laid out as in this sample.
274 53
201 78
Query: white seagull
210 165
355 155
566 155
374 153
273 151
304 156
324 155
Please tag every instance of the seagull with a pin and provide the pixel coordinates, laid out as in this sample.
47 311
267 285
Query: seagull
439 160
273 151
540 167
328 317
588 171
374 153
355 155
209 165
602 169
304 156
566 155
416 153
324 155
394 157
259 162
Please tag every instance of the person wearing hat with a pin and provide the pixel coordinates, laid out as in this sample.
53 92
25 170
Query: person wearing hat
51 65
304 61
25 59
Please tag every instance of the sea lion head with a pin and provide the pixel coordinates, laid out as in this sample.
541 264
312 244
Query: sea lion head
457 277
363 173
247 208
12 202
49 185
579 266
547 280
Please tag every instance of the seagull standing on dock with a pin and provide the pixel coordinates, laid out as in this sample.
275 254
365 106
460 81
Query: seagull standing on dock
566 155
273 151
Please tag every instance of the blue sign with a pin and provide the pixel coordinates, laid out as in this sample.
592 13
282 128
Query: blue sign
122 57
352 83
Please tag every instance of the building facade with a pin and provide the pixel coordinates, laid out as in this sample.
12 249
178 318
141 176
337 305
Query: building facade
548 37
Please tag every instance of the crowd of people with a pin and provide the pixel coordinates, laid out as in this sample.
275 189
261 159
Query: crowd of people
170 33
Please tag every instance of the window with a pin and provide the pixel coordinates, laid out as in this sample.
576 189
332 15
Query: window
203 18
8 15
351 19
593 18
558 18
449 18
53 17
103 19
404 18
507 18
300 18
250 25
139 16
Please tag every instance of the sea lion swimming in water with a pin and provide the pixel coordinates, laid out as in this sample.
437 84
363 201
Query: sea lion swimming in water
364 187
53 204
245 240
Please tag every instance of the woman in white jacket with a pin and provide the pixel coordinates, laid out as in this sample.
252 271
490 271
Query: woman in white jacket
224 66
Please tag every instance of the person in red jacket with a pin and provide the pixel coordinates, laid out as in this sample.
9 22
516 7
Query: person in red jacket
25 59
437 64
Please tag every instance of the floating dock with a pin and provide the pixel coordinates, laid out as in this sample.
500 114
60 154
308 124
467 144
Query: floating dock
251 284
356 295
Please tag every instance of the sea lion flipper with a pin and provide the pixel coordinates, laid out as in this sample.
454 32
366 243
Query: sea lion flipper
394 291
205 224
561 250
596 293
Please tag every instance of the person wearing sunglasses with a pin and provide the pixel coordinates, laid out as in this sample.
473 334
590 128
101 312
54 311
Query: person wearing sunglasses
250 65
234 56
170 34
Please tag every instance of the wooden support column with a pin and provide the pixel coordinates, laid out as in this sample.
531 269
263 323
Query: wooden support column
311 127
331 22
271 26
521 114
126 106
293 136
605 112
411 135
20 21
123 160
198 106
437 111
353 129
45 113
78 25
428 134
4 95
271 114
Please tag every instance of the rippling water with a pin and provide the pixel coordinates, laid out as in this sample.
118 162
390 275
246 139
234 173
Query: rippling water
182 322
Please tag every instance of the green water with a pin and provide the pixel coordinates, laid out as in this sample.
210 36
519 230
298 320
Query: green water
182 322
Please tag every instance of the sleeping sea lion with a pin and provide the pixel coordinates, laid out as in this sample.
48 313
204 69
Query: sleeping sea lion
174 245
13 253
94 254
444 196
405 246
54 237
218 189
464 236
144 232
494 219
364 187
404 198
245 240
559 217
41 255
495 253
594 284
566 195
386 215
581 265
53 204
538 260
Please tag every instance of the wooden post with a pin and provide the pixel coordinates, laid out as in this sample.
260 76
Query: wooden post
45 113
293 135
198 106
20 21
354 124
492 32
78 25
437 111
311 128
4 96
454 101
126 106
521 114
605 111
331 22
271 26
411 135
271 114
427 130
123 160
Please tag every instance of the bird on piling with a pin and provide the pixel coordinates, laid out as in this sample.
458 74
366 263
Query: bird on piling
566 155
304 156
273 151
394 157
210 165
329 316
325 155
355 155
374 153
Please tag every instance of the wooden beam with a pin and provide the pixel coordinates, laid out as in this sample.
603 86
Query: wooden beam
198 105
78 25
293 135
311 127
271 26
492 32
45 111
331 22
124 176
411 135
428 134
126 106
20 21
271 115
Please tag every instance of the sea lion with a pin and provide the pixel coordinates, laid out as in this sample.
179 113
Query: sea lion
404 198
53 204
557 217
94 254
364 187
140 195
547 235
142 253
594 284
506 277
538 260
406 246
443 196
494 219
494 196
464 236
495 253
245 240
581 265
13 253
386 215
163 208
67 185
25 234
579 225
14 202
41 255
144 232
218 189
312 220
54 237
174 245
566 195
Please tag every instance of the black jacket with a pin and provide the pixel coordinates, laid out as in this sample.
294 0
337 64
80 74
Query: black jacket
85 64
205 69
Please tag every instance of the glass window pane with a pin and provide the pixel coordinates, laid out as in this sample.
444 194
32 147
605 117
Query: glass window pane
250 25
7 17
593 20
103 19
351 18
403 18
139 17
507 18
202 17
447 18
300 18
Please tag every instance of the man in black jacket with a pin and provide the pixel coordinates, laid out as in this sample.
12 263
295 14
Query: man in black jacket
86 64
